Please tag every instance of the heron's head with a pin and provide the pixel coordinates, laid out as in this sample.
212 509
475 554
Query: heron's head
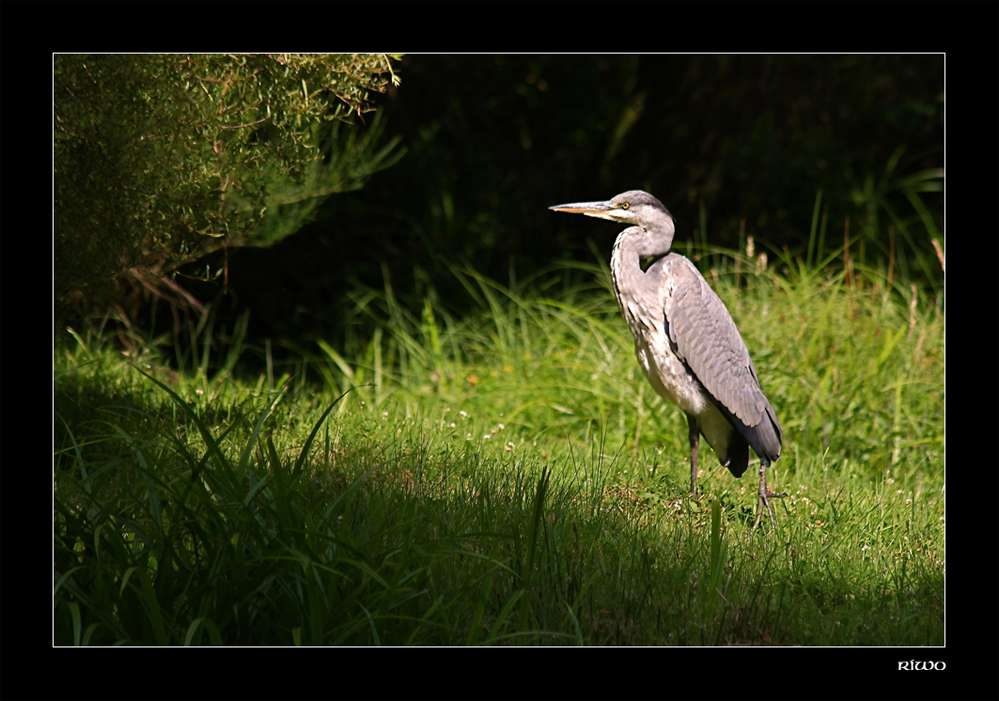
634 207
651 225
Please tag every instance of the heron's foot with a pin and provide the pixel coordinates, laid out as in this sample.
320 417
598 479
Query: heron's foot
766 494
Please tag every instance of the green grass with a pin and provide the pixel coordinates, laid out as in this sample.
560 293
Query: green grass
504 478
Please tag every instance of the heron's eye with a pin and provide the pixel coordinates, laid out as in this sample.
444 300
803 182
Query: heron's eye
625 205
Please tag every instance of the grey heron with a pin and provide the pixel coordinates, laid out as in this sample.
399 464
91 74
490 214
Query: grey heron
686 341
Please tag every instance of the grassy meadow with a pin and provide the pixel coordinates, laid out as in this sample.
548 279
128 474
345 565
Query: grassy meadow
508 477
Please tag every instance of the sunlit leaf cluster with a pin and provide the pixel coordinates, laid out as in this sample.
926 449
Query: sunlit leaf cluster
158 157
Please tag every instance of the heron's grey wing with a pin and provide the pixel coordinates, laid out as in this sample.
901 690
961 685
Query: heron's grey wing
704 335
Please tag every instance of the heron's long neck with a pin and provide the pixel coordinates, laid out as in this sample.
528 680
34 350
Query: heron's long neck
630 247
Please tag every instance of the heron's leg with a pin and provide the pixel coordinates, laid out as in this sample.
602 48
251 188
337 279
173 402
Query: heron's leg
765 495
694 433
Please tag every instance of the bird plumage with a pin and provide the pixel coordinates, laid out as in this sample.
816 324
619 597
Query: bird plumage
685 339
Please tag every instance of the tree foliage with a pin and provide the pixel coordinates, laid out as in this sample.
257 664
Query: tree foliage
160 158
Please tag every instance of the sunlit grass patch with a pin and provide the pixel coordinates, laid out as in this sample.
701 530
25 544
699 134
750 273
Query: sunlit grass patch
504 478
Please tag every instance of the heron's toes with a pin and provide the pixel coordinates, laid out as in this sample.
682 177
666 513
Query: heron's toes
764 502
